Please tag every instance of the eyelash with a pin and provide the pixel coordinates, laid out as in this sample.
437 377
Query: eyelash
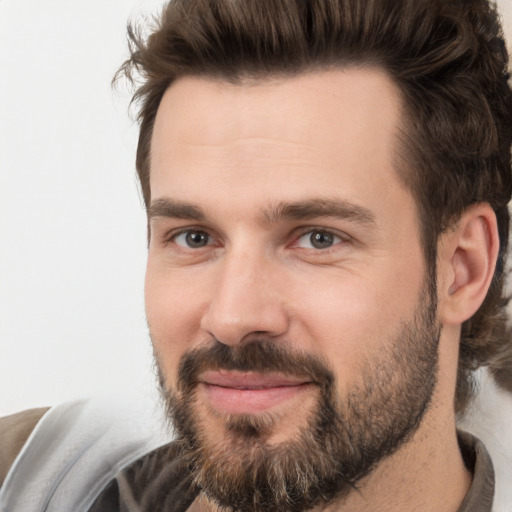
336 237
172 235
190 231
340 238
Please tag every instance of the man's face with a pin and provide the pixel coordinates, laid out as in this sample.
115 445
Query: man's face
286 290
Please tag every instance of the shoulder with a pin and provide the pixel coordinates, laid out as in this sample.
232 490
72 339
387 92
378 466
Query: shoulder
76 449
160 480
489 418
14 432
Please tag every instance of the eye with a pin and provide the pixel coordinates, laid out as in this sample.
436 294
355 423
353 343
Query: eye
318 239
193 239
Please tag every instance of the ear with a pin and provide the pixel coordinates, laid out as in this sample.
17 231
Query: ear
467 256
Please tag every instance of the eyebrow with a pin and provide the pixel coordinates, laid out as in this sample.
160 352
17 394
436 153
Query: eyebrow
174 209
301 210
312 208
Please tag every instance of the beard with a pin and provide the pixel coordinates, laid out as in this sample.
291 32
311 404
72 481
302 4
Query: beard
339 442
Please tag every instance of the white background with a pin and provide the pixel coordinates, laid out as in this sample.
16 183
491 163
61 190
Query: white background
72 225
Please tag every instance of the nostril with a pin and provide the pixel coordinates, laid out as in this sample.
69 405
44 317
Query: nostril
230 329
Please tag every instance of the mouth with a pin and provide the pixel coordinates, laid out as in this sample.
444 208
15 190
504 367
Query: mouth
250 393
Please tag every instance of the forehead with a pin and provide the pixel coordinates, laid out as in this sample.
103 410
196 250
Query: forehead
286 138
195 107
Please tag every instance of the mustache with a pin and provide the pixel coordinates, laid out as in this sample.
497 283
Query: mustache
259 356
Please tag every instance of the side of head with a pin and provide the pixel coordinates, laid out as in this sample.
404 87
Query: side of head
449 62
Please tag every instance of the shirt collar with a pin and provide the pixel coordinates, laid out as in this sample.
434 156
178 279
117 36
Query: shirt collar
481 493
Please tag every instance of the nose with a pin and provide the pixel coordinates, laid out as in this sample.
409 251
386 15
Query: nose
245 301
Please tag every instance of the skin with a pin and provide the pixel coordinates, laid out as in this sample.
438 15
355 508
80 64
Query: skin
237 152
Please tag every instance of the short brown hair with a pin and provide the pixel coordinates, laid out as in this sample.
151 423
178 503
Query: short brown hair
448 59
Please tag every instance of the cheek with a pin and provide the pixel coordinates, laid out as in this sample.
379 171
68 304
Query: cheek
351 319
173 312
340 323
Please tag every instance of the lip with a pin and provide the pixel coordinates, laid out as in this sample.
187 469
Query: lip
249 393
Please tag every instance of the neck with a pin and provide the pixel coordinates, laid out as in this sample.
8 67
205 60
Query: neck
427 474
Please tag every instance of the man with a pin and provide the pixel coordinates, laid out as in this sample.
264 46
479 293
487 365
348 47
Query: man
326 185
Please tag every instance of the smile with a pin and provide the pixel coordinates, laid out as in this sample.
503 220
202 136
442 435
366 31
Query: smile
249 393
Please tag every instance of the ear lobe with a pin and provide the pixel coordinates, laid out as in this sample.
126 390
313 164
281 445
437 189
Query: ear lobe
467 257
